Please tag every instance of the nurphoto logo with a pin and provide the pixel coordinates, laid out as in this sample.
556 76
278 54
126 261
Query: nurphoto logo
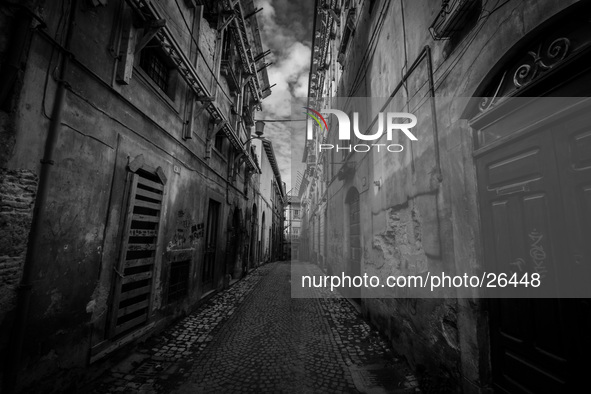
391 121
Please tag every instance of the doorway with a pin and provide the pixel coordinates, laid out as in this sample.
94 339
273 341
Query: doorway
354 241
211 239
234 247
534 186
532 198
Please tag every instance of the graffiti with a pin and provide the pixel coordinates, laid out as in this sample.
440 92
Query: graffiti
519 263
537 253
187 232
334 233
196 232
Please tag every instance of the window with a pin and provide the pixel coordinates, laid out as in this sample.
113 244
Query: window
230 64
347 34
246 179
296 213
332 163
345 148
157 66
219 141
211 236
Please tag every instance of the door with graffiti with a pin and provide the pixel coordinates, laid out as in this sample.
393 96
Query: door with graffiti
535 201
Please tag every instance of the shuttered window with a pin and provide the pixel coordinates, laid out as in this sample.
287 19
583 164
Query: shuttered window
134 274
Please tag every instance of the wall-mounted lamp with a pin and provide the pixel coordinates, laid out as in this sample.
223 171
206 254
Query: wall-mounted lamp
259 128
378 183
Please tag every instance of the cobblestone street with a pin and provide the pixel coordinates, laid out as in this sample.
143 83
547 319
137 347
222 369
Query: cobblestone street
254 337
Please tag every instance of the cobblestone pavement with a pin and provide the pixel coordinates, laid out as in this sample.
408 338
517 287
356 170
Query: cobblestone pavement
255 338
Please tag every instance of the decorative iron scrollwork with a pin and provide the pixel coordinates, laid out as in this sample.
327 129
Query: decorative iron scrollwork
541 61
530 67
488 102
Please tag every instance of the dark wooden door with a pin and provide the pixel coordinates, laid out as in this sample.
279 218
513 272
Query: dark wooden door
535 206
354 241
211 239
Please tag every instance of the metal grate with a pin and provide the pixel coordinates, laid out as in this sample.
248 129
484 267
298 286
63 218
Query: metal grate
154 65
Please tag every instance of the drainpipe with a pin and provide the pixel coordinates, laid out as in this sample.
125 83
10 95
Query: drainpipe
14 353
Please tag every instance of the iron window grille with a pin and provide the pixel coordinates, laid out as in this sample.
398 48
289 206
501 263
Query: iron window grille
454 17
154 63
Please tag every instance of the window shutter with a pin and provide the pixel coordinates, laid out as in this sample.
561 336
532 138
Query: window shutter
135 269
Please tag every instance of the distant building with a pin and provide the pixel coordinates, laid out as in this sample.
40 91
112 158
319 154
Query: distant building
292 226
127 125
272 202
486 187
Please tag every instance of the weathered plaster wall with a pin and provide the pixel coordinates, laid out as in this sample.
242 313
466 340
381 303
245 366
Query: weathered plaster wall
415 222
266 206
17 199
105 125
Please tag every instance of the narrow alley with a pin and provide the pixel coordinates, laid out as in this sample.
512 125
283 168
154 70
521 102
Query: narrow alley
314 196
254 337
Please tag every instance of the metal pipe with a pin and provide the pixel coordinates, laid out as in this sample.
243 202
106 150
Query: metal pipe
14 353
253 13
434 115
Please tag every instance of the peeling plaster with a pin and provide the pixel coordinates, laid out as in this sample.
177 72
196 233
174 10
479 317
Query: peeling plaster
401 242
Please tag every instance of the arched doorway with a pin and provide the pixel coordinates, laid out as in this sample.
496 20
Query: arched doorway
353 240
534 186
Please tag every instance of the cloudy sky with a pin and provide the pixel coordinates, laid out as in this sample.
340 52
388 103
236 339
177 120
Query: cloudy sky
286 29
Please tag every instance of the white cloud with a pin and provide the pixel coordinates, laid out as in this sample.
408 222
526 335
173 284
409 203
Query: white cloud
291 61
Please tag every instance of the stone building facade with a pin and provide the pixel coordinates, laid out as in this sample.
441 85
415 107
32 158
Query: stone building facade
293 226
272 202
481 180
126 124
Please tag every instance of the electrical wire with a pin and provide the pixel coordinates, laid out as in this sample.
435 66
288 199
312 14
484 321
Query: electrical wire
372 46
458 56
185 165
105 113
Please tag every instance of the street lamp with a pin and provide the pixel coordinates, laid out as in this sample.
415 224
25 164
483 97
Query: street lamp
259 127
